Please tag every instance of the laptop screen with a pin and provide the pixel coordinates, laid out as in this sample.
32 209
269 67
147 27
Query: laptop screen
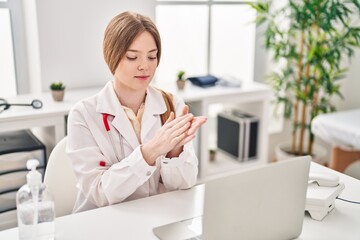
265 202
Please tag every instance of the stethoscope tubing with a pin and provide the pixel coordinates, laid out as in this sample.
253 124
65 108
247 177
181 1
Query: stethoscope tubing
4 105
107 128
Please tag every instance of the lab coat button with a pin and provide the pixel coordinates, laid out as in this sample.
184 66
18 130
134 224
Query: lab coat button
148 173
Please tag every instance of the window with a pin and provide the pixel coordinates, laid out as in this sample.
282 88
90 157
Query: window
13 67
208 36
7 63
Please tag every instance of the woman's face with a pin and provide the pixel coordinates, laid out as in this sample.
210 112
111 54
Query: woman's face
137 68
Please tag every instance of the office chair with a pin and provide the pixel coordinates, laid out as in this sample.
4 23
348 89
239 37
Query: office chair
60 180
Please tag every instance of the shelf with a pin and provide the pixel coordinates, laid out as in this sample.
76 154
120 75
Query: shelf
224 164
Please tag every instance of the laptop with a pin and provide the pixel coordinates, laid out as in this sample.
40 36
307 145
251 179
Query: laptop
265 202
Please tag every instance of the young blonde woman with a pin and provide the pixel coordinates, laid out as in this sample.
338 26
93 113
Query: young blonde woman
119 147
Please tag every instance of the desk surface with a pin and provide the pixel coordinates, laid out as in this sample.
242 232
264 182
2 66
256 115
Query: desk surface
50 107
136 219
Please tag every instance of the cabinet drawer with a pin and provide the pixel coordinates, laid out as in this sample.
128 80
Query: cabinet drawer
17 160
7 201
8 220
14 180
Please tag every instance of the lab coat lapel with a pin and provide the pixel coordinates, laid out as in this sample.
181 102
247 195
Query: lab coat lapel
109 103
122 123
154 106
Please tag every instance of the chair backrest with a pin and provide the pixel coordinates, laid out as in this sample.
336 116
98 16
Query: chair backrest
60 179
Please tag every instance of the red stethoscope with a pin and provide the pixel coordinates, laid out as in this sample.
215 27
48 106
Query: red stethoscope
107 128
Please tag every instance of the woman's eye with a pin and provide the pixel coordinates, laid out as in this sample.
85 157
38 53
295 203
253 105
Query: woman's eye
131 58
152 58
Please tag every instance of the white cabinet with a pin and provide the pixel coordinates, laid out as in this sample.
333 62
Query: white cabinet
253 98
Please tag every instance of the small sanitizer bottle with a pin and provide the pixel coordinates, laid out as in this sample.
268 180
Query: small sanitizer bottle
35 207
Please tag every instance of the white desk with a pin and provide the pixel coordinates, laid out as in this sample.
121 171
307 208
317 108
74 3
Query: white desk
136 219
52 114
253 97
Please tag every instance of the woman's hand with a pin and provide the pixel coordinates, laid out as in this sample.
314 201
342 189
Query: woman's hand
172 136
168 136
196 122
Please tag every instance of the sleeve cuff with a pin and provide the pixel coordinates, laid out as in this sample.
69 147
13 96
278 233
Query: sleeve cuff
139 166
184 157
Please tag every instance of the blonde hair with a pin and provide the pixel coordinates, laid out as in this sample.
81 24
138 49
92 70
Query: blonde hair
121 32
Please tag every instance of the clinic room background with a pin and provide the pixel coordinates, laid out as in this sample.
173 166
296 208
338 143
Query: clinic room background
61 41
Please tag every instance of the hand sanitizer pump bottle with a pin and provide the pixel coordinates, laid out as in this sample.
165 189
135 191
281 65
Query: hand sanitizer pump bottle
35 207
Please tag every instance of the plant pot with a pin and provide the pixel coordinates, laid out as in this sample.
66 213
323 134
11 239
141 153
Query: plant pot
282 152
58 95
212 156
180 84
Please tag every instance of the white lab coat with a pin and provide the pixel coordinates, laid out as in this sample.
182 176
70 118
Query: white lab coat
132 177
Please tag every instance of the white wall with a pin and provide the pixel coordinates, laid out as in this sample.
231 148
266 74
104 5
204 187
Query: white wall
351 85
69 39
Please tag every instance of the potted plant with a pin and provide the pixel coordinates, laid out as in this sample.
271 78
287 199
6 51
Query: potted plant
181 80
311 39
57 91
212 155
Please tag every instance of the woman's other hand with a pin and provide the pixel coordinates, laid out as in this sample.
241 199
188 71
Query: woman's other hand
196 122
172 136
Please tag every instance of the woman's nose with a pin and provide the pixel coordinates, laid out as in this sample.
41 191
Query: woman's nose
143 65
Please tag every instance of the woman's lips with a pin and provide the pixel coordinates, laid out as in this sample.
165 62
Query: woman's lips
142 77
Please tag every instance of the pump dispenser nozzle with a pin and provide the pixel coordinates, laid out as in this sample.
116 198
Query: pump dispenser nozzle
33 177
